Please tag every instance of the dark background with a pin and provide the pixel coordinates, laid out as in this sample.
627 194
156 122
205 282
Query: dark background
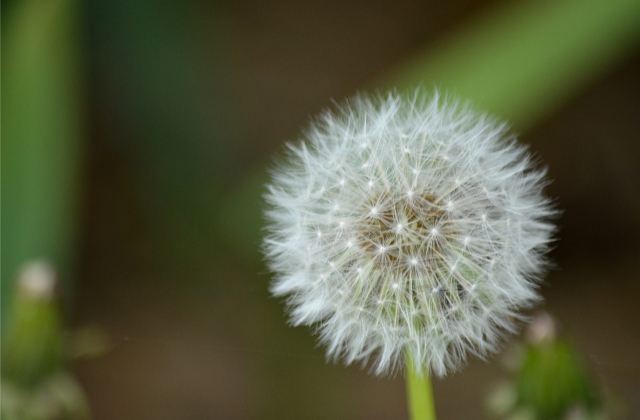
187 102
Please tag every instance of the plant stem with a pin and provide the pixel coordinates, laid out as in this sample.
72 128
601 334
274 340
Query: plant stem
419 392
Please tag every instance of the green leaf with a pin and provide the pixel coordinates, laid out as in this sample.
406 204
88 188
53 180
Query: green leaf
41 146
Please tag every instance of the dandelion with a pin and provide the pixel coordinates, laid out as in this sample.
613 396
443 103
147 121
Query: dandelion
403 224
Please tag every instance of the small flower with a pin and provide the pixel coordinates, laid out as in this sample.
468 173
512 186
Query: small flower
406 223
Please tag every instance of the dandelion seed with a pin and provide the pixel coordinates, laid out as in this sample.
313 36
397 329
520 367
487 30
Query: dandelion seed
408 236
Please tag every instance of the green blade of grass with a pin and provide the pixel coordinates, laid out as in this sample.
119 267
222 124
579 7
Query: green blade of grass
522 61
41 145
519 62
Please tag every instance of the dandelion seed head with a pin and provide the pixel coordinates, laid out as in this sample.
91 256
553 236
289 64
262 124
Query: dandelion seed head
441 238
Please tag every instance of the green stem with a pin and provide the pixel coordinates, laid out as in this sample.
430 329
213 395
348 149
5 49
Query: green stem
419 392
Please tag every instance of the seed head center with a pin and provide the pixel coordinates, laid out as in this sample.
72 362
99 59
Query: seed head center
401 230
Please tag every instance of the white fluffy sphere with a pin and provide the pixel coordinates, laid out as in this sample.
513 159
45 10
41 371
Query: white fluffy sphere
401 223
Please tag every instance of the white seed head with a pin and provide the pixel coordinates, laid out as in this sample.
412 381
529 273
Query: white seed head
445 227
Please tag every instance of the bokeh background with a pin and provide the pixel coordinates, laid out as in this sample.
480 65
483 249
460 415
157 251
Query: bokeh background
136 137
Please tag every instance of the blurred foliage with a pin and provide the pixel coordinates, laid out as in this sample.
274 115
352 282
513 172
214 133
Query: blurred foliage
41 147
519 62
35 384
169 109
33 347
550 382
523 60
58 397
41 166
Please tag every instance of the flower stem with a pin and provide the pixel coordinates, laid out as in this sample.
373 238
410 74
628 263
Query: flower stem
419 392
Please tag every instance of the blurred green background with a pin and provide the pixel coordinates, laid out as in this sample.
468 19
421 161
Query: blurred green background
135 137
